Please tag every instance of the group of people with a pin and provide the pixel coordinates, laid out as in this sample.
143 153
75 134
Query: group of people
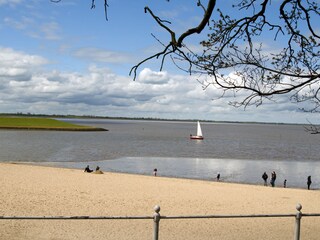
274 177
88 170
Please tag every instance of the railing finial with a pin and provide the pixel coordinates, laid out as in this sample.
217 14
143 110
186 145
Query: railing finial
299 207
156 208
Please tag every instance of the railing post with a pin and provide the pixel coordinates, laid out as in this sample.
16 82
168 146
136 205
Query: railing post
298 220
156 220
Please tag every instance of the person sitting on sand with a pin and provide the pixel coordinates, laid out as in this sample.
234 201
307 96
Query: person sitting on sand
98 171
87 169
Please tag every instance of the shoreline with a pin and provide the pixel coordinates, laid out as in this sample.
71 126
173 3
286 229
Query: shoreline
83 129
48 124
147 175
213 179
144 119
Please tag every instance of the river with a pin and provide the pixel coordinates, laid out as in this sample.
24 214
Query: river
240 152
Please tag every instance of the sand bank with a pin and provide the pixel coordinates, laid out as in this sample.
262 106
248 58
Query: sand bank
45 191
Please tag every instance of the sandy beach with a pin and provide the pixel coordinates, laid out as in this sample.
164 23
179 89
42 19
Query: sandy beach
45 191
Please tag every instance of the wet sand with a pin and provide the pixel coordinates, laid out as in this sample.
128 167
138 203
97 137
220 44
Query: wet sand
45 191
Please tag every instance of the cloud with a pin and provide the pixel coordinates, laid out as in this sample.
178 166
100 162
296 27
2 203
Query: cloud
30 26
12 58
51 31
97 88
26 86
10 2
18 66
20 24
101 55
150 77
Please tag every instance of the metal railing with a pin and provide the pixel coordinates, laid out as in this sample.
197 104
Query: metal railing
157 217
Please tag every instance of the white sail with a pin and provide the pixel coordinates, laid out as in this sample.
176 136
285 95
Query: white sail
199 131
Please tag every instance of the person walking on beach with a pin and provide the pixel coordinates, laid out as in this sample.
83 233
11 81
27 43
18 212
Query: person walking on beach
87 169
285 183
155 172
265 178
218 177
309 182
273 178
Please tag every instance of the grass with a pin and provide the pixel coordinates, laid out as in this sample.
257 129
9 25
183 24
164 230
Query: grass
42 124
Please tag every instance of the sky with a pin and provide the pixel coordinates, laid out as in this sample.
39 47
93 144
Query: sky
65 58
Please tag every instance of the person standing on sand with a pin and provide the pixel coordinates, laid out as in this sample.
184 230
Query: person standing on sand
265 178
218 177
285 183
309 182
273 178
155 172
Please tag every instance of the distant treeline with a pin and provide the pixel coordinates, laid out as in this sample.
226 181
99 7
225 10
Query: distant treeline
20 114
97 117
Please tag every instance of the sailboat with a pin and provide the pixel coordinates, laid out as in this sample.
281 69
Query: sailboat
199 133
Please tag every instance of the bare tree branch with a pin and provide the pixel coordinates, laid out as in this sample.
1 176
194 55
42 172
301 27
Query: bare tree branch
207 15
174 44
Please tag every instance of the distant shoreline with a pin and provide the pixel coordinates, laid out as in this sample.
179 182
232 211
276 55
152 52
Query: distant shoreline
137 118
84 129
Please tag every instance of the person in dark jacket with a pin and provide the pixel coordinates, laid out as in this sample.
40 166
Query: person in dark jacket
273 178
265 178
218 177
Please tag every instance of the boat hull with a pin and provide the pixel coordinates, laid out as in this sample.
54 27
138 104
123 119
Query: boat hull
196 137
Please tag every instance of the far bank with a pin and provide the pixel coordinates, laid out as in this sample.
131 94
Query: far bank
48 124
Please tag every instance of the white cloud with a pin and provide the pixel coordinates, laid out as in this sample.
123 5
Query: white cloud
149 76
20 24
27 87
30 26
101 55
10 2
11 58
18 66
51 31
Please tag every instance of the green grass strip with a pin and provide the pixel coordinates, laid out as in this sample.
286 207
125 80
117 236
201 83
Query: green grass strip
42 124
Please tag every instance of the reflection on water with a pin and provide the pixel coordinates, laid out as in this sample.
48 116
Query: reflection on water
231 170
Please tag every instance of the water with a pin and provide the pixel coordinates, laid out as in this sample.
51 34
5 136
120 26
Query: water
240 152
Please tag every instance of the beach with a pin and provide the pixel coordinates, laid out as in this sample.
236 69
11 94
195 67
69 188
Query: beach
28 190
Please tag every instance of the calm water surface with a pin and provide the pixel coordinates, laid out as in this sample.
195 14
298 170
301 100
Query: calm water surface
240 152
